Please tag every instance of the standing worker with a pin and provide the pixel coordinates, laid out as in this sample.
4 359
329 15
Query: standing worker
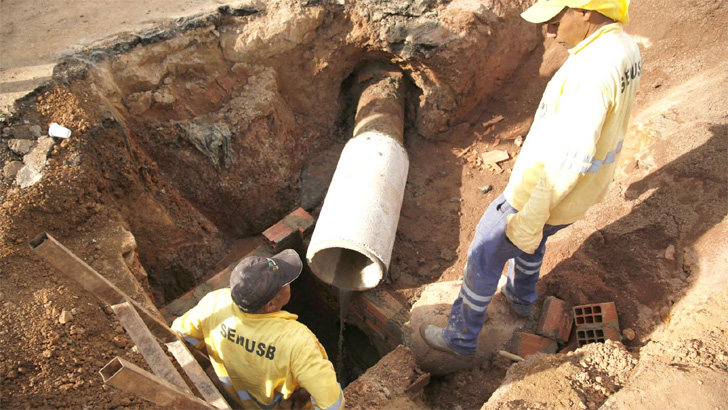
565 166
260 353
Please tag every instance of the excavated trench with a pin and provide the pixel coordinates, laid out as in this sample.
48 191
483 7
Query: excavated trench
215 144
220 143
198 136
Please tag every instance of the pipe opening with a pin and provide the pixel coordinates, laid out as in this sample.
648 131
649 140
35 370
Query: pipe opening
346 268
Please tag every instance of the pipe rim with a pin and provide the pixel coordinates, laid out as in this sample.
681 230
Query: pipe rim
319 255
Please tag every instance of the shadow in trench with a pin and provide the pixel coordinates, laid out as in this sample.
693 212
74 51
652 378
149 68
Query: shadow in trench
625 261
314 308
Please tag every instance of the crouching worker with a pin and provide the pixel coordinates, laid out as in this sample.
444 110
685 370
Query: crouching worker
260 353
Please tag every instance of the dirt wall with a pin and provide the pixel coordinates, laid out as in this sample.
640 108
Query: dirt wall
210 119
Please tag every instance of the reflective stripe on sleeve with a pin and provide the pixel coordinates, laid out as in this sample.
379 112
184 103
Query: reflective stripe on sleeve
589 165
608 159
244 396
334 406
191 340
575 162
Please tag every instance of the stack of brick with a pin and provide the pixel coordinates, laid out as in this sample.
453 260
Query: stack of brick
594 323
554 327
290 231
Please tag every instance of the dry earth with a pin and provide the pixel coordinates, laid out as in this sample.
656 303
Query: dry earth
115 195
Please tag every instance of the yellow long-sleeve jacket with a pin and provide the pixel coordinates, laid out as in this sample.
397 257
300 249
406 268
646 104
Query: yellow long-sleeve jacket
260 358
568 160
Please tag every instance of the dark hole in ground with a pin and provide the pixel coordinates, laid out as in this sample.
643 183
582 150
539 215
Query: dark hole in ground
317 308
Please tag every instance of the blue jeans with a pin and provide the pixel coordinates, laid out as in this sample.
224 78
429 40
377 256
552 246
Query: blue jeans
488 253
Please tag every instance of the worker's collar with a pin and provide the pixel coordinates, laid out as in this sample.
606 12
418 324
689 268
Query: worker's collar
606 29
281 314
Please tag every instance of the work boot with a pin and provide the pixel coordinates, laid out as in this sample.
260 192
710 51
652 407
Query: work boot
432 335
520 309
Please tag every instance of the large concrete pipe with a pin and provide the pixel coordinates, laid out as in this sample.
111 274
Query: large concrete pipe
351 246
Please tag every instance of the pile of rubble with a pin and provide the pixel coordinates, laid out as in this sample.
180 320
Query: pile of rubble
33 150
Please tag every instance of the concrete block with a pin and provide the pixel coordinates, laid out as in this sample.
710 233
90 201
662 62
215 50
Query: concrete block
37 156
525 344
596 315
585 336
555 321
27 176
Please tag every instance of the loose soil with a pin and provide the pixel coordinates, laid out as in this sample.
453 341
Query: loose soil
117 198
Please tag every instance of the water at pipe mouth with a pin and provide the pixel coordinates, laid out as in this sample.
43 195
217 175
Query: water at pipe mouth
346 268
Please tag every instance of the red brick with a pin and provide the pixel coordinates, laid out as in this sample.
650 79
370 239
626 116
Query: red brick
525 344
377 311
596 316
280 236
301 221
555 321
570 347
585 336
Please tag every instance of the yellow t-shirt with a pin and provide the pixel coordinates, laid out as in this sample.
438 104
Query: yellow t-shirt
260 358
568 160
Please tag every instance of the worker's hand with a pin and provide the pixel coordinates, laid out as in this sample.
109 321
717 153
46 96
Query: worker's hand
523 238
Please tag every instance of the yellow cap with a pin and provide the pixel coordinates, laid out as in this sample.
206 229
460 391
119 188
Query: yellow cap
545 10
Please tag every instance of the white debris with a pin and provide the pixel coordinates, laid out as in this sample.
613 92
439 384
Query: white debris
57 130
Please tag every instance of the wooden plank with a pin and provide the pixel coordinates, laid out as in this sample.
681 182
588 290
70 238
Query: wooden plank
74 268
148 346
129 377
198 376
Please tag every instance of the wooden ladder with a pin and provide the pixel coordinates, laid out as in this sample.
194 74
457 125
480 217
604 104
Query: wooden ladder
165 387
